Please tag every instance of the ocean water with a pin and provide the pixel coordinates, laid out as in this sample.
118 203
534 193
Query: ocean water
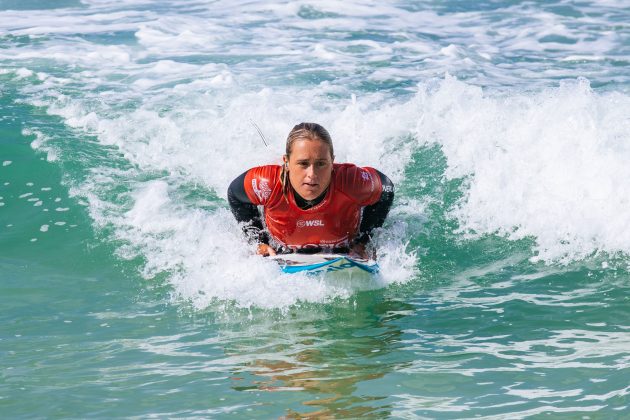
127 291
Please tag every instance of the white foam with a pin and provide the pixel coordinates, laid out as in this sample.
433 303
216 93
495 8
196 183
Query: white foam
41 143
450 51
23 73
542 392
320 51
545 165
467 40
583 58
538 165
205 256
178 103
207 140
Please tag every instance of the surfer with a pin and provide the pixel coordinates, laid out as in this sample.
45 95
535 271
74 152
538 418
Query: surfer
311 204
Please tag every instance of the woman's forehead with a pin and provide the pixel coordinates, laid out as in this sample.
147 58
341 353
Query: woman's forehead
307 148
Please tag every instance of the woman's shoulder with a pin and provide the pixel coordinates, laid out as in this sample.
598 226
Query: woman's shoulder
361 183
352 172
261 181
264 171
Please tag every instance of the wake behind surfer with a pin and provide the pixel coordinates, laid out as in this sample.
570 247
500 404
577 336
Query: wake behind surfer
310 203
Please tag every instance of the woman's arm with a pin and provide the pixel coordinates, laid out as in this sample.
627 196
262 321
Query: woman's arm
374 215
245 211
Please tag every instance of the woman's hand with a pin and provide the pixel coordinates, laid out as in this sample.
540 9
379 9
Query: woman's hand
265 250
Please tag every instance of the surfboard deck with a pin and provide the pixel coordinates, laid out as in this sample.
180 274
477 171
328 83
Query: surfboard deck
325 263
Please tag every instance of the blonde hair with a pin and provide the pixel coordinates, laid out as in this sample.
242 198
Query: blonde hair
304 131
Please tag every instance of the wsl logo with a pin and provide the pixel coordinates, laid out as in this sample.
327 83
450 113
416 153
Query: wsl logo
310 223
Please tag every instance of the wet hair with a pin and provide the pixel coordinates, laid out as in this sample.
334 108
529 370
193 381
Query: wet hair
309 131
304 131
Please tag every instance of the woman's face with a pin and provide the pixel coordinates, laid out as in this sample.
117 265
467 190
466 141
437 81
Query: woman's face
310 167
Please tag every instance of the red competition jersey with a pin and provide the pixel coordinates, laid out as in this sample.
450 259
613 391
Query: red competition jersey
332 223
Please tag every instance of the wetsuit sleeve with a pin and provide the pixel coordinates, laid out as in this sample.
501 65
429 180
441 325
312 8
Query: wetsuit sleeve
245 211
374 215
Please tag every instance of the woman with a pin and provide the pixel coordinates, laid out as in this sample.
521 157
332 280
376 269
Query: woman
310 203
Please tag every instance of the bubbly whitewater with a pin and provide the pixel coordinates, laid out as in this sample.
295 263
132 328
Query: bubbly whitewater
126 289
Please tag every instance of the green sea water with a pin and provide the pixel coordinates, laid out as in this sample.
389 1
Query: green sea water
126 290
480 329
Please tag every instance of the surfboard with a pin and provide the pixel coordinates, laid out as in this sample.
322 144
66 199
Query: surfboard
325 263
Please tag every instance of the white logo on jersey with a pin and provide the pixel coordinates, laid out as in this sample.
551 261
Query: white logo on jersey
366 175
264 191
310 223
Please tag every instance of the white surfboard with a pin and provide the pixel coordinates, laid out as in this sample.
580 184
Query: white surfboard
325 263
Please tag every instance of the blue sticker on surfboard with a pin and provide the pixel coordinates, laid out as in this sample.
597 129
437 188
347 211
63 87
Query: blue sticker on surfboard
325 263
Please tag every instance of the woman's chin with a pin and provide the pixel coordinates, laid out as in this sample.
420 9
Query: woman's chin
309 194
